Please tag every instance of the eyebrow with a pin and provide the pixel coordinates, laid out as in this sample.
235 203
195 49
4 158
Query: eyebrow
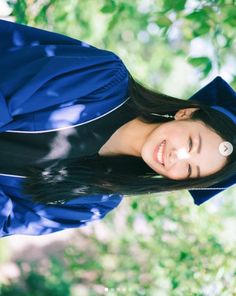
200 144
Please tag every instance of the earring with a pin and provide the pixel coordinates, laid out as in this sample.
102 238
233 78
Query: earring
163 115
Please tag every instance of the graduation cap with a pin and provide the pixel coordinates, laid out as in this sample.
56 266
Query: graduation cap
220 96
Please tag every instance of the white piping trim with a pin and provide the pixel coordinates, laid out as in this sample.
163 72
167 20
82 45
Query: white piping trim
62 128
208 188
47 131
13 175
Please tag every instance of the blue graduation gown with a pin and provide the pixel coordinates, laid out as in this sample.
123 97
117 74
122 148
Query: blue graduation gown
42 73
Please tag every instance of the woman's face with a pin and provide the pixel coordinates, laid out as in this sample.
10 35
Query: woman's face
190 148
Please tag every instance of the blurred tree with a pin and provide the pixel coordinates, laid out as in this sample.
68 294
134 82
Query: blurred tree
149 35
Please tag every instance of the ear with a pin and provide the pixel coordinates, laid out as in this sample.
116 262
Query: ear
184 113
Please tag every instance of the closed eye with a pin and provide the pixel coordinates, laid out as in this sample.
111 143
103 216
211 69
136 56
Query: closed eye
190 148
190 143
189 171
198 151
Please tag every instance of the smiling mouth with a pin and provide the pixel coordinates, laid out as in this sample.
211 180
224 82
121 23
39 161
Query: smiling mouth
159 153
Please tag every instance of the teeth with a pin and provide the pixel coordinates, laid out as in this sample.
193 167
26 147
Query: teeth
160 153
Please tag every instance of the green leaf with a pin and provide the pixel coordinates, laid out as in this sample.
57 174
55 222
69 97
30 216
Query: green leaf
203 63
149 217
176 5
231 21
229 42
109 8
116 17
42 16
229 10
62 17
179 4
20 12
207 68
134 204
163 21
203 29
198 61
196 16
233 83
201 15
113 22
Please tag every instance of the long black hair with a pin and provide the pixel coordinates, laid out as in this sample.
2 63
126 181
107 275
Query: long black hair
125 174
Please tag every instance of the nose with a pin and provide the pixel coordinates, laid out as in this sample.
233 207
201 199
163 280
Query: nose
178 154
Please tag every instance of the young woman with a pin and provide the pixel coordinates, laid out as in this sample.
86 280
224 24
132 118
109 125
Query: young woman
78 132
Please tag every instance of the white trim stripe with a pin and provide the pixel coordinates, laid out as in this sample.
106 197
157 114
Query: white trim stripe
62 128
8 175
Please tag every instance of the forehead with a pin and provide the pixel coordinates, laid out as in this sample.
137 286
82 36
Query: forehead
207 134
195 124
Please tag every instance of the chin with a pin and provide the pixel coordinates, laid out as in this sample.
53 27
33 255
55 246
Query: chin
150 162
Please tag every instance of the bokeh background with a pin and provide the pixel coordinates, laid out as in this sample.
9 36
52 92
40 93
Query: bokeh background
161 244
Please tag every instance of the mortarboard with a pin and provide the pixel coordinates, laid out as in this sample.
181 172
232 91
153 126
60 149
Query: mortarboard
219 95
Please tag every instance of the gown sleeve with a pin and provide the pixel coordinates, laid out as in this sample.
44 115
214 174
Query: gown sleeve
19 215
40 69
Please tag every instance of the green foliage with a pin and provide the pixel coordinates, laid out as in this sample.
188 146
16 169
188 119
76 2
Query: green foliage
20 11
177 5
163 21
154 245
109 7
49 282
119 24
204 63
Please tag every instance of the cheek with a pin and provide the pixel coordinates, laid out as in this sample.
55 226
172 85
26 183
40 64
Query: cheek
176 136
175 175
177 172
173 134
